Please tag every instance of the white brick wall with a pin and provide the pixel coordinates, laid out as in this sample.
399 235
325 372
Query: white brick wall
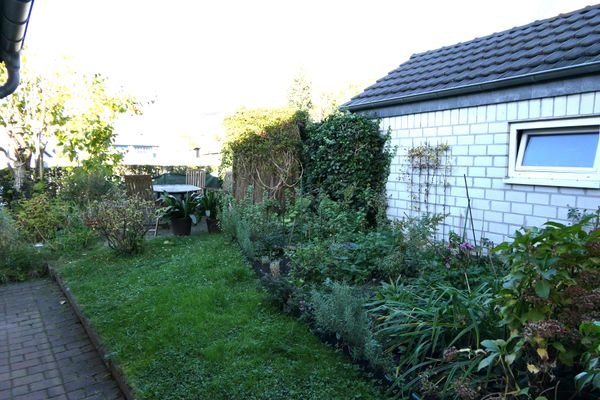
478 138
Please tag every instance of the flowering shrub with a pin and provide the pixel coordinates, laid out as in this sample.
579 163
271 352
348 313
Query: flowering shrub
122 222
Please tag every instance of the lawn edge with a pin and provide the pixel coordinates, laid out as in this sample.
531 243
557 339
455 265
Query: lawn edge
112 367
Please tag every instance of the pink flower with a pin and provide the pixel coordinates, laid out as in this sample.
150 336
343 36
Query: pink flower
466 247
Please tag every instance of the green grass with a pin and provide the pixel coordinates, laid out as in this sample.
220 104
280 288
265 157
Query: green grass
187 320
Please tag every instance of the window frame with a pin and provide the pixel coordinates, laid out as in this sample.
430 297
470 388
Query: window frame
582 177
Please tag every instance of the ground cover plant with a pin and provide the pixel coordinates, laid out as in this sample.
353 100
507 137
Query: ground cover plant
186 319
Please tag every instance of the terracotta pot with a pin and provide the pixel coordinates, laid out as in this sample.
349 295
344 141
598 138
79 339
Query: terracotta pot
213 225
181 226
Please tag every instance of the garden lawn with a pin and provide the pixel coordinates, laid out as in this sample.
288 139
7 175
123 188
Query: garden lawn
187 320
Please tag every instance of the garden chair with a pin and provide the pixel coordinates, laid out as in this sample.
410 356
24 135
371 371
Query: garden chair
141 186
196 177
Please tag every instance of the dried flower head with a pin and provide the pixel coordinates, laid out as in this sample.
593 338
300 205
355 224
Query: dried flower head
450 354
547 329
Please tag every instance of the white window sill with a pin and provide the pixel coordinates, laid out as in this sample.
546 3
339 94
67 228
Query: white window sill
572 183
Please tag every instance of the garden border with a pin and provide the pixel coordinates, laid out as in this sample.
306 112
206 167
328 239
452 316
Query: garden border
112 367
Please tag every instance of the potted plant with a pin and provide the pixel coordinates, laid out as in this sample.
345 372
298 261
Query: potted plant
181 211
210 204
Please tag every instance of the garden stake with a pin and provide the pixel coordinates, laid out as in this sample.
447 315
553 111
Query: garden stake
469 210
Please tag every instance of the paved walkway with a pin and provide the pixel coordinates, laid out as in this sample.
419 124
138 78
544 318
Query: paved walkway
44 351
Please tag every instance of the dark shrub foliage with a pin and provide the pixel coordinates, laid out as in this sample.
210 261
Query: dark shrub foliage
346 157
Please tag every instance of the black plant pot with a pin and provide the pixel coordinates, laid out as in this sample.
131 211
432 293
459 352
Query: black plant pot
181 226
212 224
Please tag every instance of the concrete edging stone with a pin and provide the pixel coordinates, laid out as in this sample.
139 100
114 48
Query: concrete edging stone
112 367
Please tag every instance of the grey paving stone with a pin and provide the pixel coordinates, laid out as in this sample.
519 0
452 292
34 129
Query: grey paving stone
45 352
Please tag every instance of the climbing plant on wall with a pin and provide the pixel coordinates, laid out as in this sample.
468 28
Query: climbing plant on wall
426 174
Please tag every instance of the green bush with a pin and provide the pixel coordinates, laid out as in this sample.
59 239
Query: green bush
335 219
550 292
340 310
122 222
39 218
7 190
83 186
347 157
262 147
590 360
357 260
76 235
417 251
345 251
228 216
18 260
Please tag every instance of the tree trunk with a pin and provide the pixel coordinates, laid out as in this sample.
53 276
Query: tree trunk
21 167
19 174
39 162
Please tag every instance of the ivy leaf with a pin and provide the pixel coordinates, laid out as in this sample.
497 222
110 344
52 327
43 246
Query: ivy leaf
542 289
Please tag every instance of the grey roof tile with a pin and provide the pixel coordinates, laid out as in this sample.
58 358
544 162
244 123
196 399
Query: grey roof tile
565 41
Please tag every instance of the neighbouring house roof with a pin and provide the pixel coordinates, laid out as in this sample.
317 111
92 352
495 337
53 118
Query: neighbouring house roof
564 46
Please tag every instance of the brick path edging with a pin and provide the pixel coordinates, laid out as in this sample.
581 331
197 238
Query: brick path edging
112 367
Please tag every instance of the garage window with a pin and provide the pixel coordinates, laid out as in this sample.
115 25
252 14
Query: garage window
555 153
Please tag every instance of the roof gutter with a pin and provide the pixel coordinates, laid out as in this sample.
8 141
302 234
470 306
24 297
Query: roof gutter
556 73
12 63
14 20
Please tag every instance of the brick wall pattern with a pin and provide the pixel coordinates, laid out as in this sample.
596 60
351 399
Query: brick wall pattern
478 139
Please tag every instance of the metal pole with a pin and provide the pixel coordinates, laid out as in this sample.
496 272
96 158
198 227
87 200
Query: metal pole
469 210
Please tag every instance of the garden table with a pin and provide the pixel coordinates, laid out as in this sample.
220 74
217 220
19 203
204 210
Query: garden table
175 188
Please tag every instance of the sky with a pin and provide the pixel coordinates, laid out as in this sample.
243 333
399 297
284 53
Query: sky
200 60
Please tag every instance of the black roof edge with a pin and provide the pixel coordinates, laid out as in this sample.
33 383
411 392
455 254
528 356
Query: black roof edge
556 73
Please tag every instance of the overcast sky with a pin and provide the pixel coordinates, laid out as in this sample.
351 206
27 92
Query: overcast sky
199 59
